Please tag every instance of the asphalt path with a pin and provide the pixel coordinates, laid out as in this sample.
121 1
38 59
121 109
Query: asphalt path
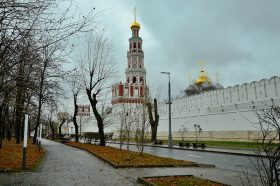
223 161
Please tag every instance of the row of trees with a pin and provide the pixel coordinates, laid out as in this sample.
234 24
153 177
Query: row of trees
35 38
139 122
34 43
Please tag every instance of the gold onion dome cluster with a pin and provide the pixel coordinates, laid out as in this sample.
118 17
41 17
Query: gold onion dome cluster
202 84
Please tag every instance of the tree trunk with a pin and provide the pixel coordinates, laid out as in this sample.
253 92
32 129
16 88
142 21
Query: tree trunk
98 118
38 119
75 119
276 173
38 115
154 134
19 115
63 121
52 129
8 130
153 122
1 125
40 100
4 117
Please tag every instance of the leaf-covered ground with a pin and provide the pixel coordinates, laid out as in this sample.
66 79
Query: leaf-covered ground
11 156
130 158
182 181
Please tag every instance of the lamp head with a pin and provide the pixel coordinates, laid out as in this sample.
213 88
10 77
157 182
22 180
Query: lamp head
165 72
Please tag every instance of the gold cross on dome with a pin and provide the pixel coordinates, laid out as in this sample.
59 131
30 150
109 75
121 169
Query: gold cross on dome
218 77
201 63
135 11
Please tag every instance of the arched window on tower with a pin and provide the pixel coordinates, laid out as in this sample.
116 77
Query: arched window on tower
139 46
141 79
134 79
130 46
127 80
134 44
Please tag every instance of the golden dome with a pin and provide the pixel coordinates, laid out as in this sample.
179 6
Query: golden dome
202 78
135 24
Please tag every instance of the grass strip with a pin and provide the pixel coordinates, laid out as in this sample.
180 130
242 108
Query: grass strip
11 156
126 159
178 180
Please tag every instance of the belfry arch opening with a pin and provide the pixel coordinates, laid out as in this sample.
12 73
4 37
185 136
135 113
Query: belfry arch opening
134 79
141 80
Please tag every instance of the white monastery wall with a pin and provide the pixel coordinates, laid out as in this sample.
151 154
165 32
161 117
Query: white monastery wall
230 109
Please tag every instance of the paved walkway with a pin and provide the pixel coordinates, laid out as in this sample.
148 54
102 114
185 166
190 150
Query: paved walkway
64 165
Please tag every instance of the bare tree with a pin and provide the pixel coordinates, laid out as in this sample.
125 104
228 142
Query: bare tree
141 123
106 110
267 164
182 131
152 106
32 29
62 117
75 80
197 130
141 127
131 117
153 118
122 118
53 129
51 121
97 70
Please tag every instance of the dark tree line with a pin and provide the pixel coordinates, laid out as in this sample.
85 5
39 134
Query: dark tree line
34 39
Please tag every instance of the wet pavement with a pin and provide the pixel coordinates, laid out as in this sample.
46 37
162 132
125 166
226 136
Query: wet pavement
64 165
244 152
232 162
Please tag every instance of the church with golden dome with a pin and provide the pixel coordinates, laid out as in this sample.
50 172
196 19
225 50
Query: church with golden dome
202 84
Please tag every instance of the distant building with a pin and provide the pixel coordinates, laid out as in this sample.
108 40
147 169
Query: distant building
63 116
202 84
83 110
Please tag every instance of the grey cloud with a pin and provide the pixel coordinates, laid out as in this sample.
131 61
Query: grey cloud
239 39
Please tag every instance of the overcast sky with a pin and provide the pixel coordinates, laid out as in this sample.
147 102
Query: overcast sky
239 40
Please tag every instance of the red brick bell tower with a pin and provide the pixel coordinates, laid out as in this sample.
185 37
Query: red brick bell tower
132 90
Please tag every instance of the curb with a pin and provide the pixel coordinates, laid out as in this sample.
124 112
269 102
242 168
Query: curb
143 166
201 150
143 180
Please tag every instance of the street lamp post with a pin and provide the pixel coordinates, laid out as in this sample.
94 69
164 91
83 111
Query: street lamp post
170 143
